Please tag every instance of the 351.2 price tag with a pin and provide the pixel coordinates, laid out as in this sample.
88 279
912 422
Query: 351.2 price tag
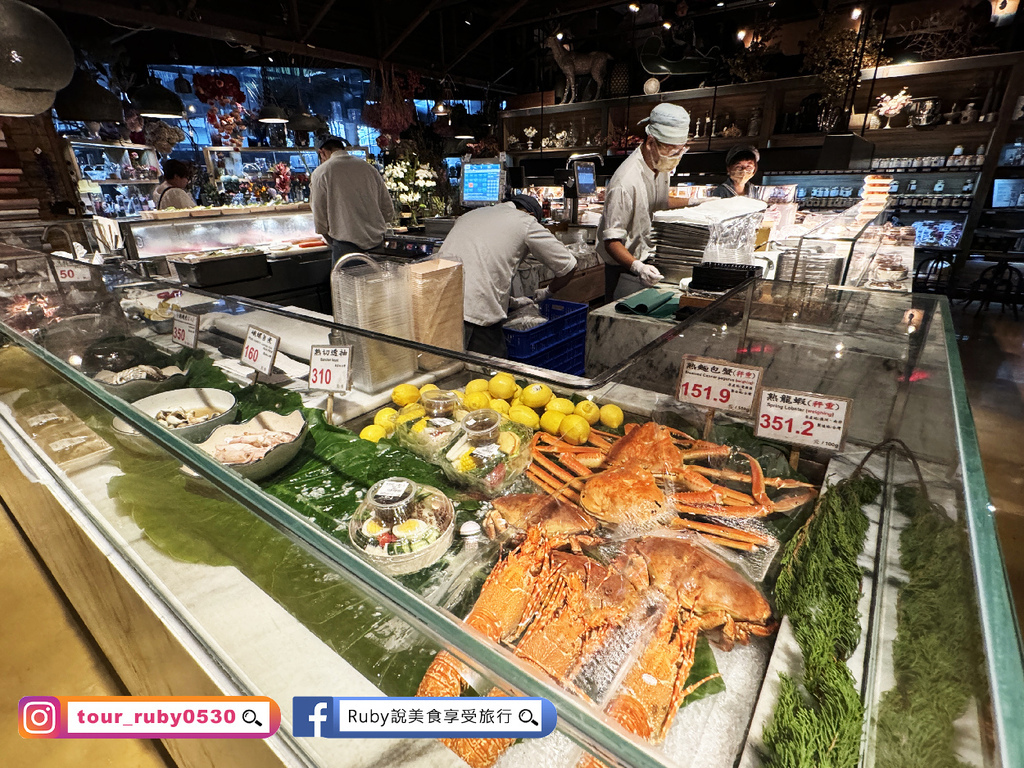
260 350
330 368
72 274
185 330
718 384
803 418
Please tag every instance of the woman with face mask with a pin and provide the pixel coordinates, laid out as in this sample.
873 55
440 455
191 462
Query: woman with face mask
636 190
741 166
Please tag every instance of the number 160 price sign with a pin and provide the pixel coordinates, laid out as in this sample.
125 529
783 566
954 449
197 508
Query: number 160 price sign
803 417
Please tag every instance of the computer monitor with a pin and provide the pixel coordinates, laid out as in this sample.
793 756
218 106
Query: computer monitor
586 178
482 182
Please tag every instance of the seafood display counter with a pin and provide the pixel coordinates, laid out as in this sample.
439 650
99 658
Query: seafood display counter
687 586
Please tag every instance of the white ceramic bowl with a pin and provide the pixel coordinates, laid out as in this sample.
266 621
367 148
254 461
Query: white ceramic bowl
131 391
277 457
185 398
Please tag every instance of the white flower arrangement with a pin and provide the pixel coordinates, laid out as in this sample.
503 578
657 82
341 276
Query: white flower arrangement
409 183
529 131
890 106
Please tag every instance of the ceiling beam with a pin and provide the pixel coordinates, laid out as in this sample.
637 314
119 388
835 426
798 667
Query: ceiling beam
328 4
590 5
502 18
293 20
427 10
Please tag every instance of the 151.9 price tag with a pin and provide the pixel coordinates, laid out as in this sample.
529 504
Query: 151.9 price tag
72 274
718 384
260 350
803 417
330 368
185 330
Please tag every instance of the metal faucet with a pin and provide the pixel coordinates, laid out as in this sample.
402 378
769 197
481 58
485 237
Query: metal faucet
62 228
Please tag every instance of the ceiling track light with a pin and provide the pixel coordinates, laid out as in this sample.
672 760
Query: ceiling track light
855 13
634 8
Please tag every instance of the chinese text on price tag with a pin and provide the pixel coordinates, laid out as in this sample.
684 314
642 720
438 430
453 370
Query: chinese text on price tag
260 350
803 417
718 384
329 368
72 274
185 330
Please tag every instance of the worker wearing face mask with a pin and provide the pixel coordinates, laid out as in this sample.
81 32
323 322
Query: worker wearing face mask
637 189
741 166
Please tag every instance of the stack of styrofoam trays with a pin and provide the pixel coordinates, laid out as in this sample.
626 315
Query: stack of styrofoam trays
813 266
436 289
376 300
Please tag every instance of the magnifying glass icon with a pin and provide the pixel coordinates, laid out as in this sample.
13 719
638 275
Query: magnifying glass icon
526 716
248 716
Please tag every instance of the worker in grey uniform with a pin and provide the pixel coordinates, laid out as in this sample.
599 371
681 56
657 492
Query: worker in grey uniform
351 204
490 243
635 192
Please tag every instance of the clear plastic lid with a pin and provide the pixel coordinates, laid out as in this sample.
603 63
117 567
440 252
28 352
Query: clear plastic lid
426 427
488 452
440 403
401 526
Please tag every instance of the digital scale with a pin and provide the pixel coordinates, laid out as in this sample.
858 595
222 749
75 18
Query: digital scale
408 247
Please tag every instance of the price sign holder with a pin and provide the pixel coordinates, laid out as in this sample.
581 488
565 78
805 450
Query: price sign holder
804 418
259 351
72 273
185 329
330 370
718 385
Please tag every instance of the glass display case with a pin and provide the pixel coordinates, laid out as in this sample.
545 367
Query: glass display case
115 180
258 571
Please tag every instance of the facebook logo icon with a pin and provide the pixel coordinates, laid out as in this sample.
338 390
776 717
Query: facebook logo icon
313 716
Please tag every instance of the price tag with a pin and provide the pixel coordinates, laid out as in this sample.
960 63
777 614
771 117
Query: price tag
390 490
718 384
260 350
803 417
185 330
330 368
72 274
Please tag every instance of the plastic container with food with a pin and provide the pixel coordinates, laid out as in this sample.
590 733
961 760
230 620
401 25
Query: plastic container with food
401 526
487 453
427 435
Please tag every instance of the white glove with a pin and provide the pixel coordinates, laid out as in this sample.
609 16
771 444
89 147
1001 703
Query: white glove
542 294
518 302
648 274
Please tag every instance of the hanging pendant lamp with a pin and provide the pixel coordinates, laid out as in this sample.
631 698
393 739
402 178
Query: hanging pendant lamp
153 100
34 54
17 102
305 123
273 114
87 100
182 85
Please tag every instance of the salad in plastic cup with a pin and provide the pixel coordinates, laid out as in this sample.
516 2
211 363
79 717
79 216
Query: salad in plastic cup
402 526
426 427
487 453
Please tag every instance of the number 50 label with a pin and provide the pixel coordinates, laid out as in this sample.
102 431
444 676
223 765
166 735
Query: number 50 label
803 418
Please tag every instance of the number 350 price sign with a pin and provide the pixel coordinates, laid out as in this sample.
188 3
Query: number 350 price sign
330 369
803 417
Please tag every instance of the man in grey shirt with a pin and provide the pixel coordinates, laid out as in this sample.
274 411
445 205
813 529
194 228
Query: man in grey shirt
351 205
490 243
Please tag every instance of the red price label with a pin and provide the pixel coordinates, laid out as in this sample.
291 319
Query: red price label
260 350
185 330
68 274
718 384
805 418
330 368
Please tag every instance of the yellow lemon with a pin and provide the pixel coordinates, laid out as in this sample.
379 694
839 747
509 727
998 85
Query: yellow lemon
477 385
560 404
500 406
525 416
419 426
386 418
373 433
611 416
476 400
515 401
518 392
428 387
404 394
459 394
550 421
589 411
536 395
574 429
502 386
411 412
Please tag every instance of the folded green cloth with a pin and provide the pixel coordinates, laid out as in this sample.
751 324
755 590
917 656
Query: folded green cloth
650 303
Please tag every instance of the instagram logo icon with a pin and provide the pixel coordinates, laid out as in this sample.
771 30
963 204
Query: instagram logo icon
38 717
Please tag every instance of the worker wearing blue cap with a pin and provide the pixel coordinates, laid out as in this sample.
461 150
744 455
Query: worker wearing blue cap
351 204
635 192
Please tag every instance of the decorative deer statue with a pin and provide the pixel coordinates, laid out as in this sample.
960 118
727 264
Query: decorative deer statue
572 64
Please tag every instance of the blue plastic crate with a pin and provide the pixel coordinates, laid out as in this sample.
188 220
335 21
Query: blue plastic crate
565 319
566 356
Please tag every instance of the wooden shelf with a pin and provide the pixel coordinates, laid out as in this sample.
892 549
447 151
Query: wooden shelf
108 145
118 182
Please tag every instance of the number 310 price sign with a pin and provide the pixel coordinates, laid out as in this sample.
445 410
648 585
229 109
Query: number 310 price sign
803 417
330 369
718 384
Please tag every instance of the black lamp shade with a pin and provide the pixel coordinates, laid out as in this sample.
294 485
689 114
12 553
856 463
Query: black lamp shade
305 123
182 85
85 99
153 100
271 113
34 54
17 102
